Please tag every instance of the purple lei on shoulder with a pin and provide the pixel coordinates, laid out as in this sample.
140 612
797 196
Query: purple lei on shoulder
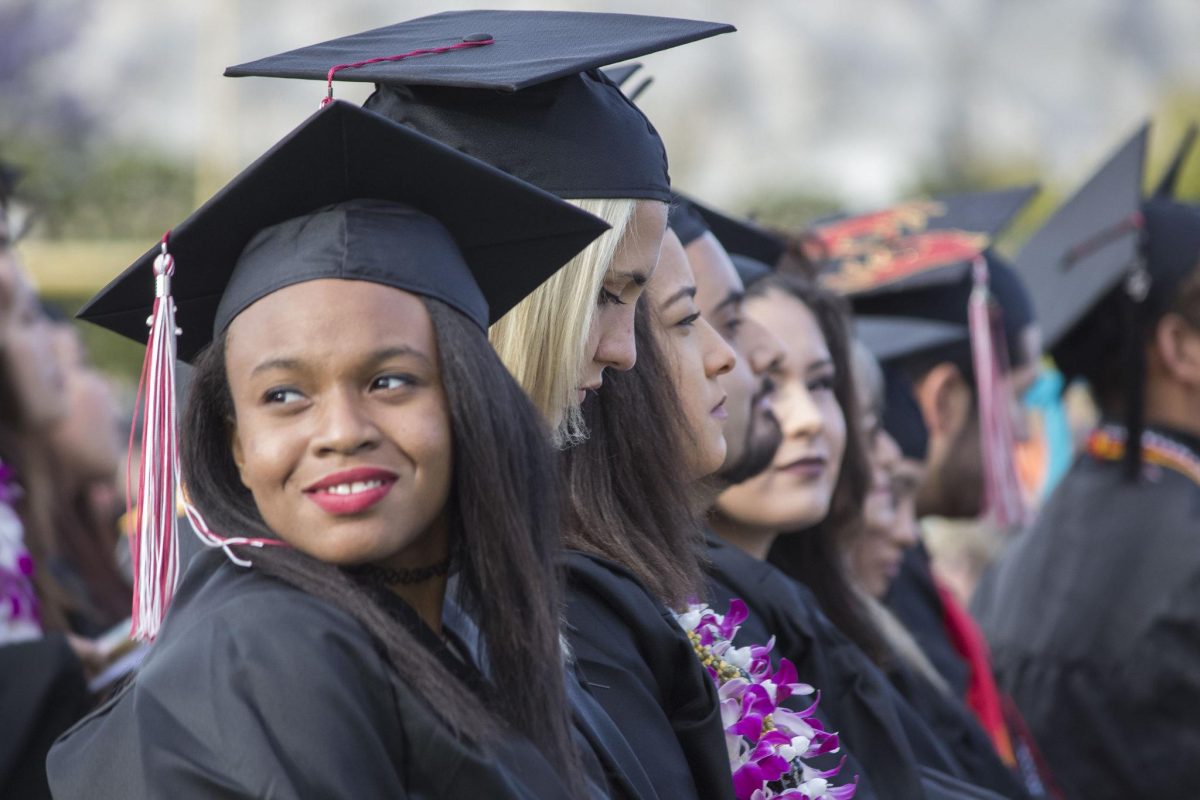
768 744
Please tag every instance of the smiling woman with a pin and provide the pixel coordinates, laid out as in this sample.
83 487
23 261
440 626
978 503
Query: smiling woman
348 416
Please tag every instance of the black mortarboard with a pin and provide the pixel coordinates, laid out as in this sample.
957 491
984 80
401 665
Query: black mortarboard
1089 244
741 236
9 177
749 269
914 244
685 220
622 73
349 194
902 417
1106 234
1170 178
545 113
891 338
1105 267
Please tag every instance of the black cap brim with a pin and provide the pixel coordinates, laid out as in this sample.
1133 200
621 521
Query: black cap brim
512 235
891 338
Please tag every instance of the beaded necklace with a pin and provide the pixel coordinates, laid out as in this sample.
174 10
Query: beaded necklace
1107 443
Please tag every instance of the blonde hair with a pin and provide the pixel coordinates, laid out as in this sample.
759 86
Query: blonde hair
542 340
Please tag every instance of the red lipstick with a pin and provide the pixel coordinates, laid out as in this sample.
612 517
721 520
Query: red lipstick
351 491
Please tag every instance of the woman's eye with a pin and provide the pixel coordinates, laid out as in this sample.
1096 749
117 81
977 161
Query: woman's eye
732 327
390 382
689 320
823 383
282 395
609 298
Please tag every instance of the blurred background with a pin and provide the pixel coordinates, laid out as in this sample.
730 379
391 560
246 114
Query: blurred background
118 115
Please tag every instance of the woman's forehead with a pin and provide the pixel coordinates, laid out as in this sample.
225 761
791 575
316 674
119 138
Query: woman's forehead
330 316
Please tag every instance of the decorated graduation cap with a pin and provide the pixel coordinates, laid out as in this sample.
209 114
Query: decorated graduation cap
932 260
1106 266
347 195
522 90
912 245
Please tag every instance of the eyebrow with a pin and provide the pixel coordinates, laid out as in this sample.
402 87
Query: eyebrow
383 354
638 277
734 297
687 291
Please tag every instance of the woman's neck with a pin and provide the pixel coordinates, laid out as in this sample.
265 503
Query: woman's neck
753 541
427 554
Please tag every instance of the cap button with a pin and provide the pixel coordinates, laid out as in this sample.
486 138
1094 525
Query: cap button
477 37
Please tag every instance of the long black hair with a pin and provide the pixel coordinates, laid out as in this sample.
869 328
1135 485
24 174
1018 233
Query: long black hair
503 509
630 498
813 556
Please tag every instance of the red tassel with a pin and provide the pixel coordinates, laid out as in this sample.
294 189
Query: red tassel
154 544
1002 488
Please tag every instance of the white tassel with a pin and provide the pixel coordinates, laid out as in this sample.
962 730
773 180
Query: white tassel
154 544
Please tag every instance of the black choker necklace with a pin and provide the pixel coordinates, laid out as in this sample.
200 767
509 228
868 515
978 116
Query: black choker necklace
387 576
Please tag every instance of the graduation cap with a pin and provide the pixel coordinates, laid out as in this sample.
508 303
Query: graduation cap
741 236
621 75
1106 234
685 221
1105 267
912 245
9 177
347 195
521 90
892 338
1170 178
749 269
425 218
1089 244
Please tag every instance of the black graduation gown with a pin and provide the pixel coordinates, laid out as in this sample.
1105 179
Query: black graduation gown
914 600
42 693
640 665
1093 616
856 699
953 725
257 689
609 762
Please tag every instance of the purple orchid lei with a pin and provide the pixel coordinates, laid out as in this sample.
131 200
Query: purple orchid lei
767 743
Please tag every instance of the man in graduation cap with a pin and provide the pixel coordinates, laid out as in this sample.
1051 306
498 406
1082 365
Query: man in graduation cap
1094 613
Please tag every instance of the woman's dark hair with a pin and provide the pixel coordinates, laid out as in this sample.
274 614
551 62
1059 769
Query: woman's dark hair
25 450
813 556
503 510
629 497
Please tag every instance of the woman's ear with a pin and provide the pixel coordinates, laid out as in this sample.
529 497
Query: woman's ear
944 399
1176 346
